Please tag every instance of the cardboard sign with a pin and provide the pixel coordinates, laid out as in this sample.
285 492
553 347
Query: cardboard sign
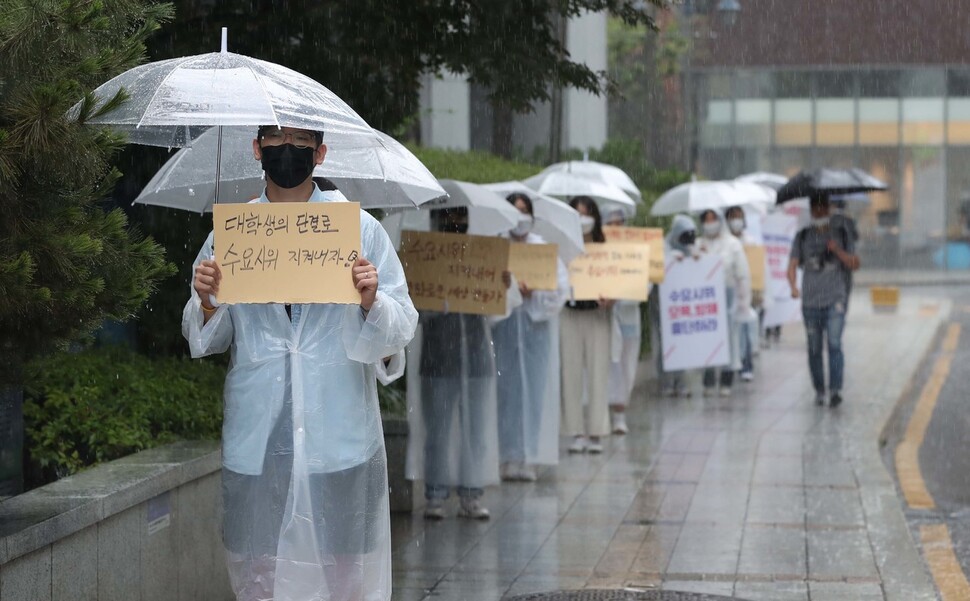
287 252
779 231
654 236
617 270
535 264
693 315
455 273
756 265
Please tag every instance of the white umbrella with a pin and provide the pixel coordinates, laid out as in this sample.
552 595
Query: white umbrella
488 213
556 221
694 197
771 180
605 172
561 184
383 176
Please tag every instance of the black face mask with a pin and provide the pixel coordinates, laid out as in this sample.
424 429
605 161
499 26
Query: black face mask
687 238
287 165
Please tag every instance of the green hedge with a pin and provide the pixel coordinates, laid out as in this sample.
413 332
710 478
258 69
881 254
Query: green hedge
85 408
81 409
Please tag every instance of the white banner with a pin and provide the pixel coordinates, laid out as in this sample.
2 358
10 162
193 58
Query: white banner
779 231
693 315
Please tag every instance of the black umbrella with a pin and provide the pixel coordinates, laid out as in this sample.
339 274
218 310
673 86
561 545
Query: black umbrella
828 181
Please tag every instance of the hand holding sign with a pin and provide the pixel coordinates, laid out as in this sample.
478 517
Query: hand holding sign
365 280
206 282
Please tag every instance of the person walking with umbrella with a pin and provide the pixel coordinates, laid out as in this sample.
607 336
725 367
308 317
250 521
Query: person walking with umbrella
825 254
304 470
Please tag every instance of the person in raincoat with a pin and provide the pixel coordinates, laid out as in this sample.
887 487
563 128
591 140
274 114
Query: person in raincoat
679 244
527 359
453 441
624 350
304 470
585 329
747 325
716 240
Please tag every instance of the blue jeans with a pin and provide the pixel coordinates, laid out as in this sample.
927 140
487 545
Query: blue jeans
828 322
747 353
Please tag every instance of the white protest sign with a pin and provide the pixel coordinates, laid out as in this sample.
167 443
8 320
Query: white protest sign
693 315
779 231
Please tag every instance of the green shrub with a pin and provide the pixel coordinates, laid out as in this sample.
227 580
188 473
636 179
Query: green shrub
81 409
472 166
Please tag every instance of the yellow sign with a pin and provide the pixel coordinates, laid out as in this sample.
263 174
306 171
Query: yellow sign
654 236
756 264
617 270
291 252
535 265
454 272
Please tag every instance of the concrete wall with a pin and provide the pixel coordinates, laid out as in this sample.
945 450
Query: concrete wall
445 110
143 528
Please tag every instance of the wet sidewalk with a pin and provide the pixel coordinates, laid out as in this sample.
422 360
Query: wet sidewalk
761 496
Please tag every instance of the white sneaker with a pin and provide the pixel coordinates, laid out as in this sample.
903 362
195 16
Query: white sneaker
434 510
579 445
709 391
509 471
595 446
747 376
473 510
527 473
725 391
619 423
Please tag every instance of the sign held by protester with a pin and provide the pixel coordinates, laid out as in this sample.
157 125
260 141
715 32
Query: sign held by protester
294 252
779 231
756 264
693 315
654 236
455 273
616 270
536 265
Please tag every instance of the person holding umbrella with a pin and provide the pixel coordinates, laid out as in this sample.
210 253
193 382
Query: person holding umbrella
825 254
304 469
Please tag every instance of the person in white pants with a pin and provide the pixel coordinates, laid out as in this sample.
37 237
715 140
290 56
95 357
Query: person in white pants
585 332
624 351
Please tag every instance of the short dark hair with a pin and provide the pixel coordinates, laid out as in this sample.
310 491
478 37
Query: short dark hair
513 197
264 128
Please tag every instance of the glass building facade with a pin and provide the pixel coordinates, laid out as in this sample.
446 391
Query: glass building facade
909 126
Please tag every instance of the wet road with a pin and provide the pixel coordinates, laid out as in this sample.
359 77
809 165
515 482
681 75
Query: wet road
944 460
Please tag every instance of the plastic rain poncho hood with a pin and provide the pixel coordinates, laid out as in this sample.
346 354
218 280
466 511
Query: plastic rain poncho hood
304 467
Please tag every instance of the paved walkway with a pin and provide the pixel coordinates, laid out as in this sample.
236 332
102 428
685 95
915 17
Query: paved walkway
760 496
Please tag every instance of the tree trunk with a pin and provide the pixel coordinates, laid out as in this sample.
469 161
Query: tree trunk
502 117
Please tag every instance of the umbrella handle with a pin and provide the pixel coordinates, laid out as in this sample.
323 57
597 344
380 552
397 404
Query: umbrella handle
218 166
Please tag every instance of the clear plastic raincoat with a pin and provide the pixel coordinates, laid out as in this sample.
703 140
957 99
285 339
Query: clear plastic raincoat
737 281
452 406
304 468
527 360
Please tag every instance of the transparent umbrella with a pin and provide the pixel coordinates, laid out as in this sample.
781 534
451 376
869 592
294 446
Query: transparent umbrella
556 221
488 213
383 176
605 172
564 185
172 102
693 197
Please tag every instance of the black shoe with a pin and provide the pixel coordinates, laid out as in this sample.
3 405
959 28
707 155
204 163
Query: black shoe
836 400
